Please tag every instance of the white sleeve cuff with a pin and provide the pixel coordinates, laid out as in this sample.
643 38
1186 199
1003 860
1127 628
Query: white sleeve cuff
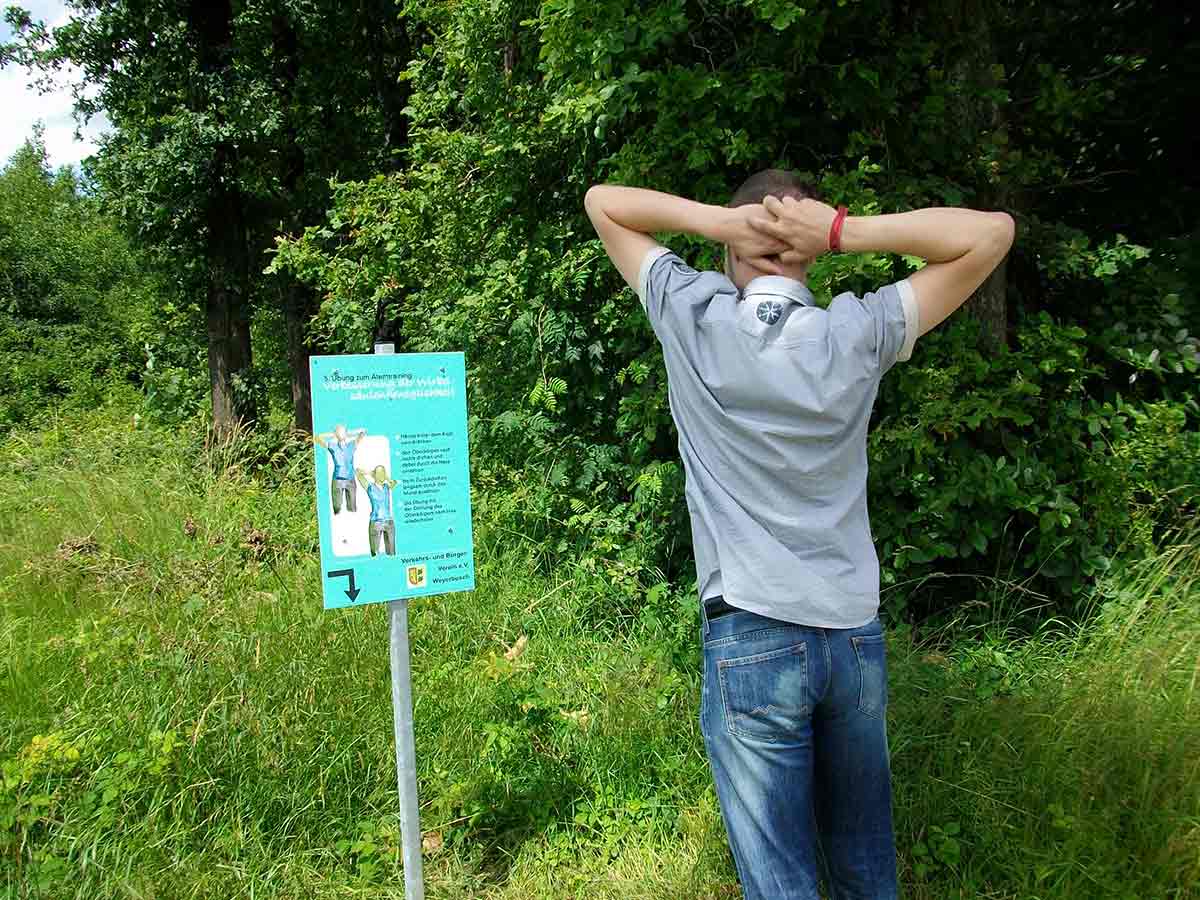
912 318
644 272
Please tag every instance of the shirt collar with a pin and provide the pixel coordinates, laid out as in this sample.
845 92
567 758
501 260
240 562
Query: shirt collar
778 287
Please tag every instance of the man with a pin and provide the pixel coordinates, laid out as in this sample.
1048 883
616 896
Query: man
342 448
382 527
771 396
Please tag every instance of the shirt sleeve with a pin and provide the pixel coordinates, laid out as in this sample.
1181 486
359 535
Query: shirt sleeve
662 276
890 321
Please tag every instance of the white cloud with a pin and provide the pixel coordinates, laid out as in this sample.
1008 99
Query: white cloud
23 106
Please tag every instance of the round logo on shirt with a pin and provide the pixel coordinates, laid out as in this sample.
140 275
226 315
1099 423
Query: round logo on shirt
769 311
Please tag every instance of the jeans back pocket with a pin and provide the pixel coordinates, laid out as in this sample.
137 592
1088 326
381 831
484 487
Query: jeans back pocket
766 695
872 668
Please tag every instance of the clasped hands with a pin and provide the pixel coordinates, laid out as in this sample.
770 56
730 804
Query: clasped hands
778 232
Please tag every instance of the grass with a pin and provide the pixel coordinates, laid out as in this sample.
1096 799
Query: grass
180 719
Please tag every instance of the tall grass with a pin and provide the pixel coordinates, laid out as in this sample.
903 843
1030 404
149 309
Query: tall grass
179 718
1067 764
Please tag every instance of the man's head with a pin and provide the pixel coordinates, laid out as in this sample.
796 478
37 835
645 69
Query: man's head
380 474
769 182
339 432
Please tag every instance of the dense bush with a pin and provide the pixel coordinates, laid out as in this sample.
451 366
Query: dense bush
74 301
1007 465
46 367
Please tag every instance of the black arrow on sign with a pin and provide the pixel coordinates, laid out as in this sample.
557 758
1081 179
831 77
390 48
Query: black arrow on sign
338 573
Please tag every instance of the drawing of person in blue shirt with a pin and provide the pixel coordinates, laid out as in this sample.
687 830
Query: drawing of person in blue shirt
383 526
341 447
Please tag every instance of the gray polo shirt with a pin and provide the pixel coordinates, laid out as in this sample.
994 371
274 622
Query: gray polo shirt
771 396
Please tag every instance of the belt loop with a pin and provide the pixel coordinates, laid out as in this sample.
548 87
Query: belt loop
704 618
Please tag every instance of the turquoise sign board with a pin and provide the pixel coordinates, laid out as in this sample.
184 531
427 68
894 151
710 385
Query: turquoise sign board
392 473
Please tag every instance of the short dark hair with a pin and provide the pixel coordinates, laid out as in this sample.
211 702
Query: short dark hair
773 182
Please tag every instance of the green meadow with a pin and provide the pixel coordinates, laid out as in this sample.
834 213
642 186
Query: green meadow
179 718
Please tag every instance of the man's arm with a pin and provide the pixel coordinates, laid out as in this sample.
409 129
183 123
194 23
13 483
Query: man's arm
625 217
362 433
362 478
962 246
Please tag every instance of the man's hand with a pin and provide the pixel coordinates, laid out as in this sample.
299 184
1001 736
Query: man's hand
802 224
625 218
744 232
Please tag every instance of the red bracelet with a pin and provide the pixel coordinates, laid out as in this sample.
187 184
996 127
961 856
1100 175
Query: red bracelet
835 231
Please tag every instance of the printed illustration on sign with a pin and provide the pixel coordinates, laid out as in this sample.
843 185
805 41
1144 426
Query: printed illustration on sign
382 534
356 458
342 447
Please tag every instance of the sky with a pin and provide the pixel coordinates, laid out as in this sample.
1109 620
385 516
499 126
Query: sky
21 105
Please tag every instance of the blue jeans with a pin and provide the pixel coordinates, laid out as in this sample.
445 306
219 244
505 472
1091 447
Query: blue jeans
343 487
793 721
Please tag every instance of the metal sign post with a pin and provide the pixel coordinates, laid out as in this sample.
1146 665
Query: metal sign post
406 753
406 748
394 512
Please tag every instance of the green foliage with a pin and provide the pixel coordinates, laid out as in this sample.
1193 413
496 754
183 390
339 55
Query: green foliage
174 376
1029 465
942 848
228 122
72 294
1013 463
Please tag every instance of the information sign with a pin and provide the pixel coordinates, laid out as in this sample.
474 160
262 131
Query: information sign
392 476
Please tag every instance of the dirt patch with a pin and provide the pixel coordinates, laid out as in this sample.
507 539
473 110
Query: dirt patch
73 547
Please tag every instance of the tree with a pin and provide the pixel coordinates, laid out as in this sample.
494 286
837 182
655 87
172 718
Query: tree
72 293
229 119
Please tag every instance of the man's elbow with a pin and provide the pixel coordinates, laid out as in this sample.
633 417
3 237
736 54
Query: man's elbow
1005 231
994 236
593 200
597 202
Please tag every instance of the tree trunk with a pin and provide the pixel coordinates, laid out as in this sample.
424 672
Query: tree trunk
297 310
226 248
388 51
228 354
228 307
294 208
982 122
989 305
